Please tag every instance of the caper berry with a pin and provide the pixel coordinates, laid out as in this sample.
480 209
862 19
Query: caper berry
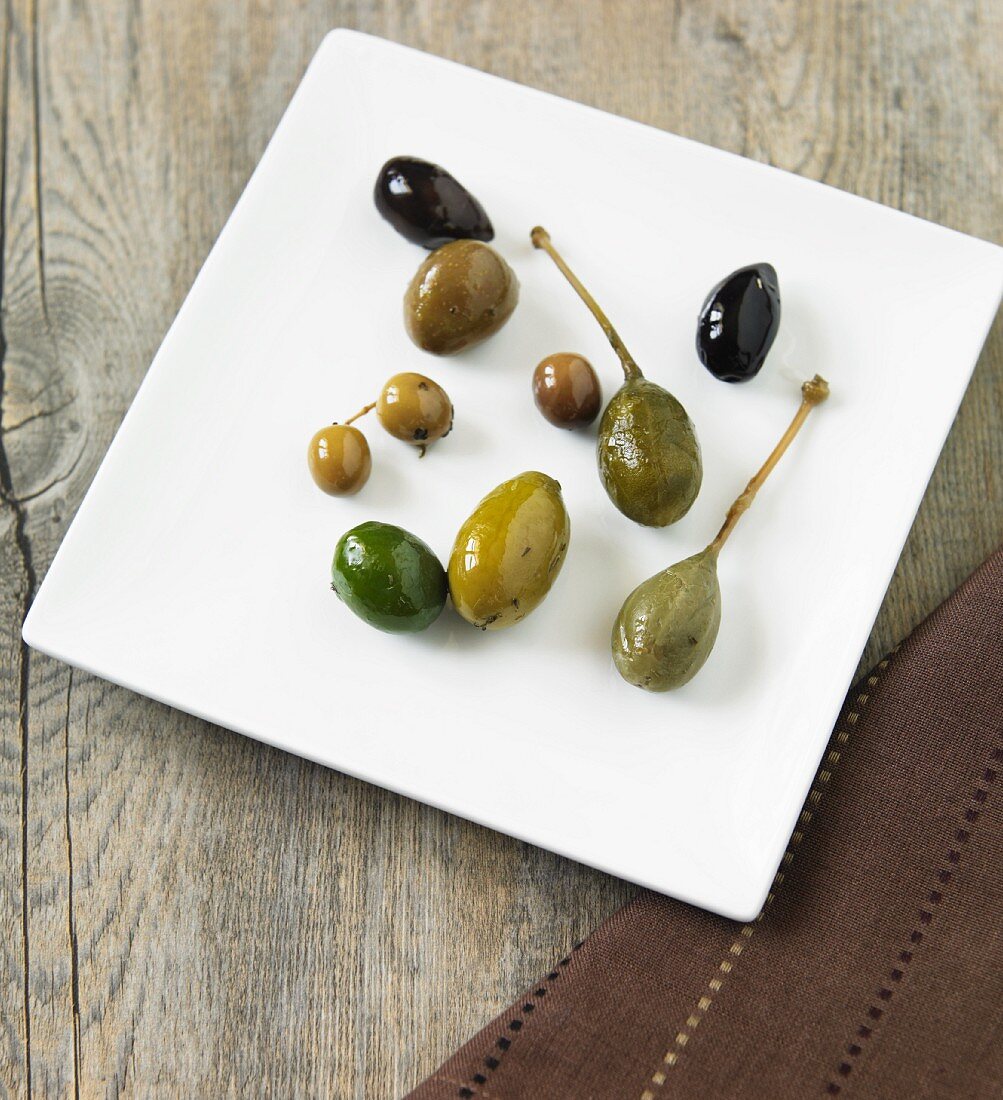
566 390
339 459
415 409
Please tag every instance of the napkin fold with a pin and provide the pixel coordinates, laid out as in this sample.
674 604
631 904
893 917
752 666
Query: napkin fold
876 966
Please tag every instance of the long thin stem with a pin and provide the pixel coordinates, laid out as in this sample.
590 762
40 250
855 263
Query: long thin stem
541 239
813 392
361 412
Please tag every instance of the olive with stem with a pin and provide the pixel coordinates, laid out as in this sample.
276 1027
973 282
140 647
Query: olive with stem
648 455
667 626
339 458
410 407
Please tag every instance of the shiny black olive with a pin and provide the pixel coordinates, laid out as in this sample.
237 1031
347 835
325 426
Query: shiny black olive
424 203
738 323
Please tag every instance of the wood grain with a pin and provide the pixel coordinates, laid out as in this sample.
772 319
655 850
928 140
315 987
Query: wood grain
183 912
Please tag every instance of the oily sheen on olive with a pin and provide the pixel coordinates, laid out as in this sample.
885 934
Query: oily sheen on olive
427 205
566 390
460 295
339 459
415 409
388 577
509 551
739 322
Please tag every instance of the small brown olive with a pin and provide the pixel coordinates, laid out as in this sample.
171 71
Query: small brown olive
462 294
339 459
567 390
415 409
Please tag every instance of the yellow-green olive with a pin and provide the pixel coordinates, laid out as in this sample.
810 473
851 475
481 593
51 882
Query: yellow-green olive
462 294
415 409
509 552
339 459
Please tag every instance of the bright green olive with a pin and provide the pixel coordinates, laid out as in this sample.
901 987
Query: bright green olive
389 578
509 552
462 294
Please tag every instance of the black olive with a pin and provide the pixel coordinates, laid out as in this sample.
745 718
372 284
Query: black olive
738 323
424 203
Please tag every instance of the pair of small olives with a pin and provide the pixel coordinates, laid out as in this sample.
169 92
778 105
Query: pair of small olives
411 407
505 558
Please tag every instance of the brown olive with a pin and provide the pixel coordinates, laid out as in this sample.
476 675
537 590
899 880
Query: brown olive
462 294
339 459
566 390
415 409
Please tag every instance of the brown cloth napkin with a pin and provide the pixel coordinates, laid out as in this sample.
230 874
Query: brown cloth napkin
876 966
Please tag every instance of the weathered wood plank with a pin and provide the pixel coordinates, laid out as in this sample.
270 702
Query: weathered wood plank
185 912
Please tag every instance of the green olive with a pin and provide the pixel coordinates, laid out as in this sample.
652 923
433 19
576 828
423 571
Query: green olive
509 551
389 578
415 409
339 459
462 294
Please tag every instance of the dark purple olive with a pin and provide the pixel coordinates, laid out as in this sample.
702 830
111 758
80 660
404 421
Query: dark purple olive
424 203
738 323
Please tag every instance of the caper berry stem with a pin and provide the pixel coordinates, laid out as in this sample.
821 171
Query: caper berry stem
362 412
541 239
813 392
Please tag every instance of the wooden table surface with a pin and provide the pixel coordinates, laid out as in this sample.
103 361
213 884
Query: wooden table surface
184 912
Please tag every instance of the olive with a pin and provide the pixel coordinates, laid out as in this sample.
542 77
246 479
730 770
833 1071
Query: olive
389 578
566 390
509 551
424 203
339 459
738 323
415 409
647 451
667 626
462 294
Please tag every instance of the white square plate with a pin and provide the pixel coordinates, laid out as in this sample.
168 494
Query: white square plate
196 570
